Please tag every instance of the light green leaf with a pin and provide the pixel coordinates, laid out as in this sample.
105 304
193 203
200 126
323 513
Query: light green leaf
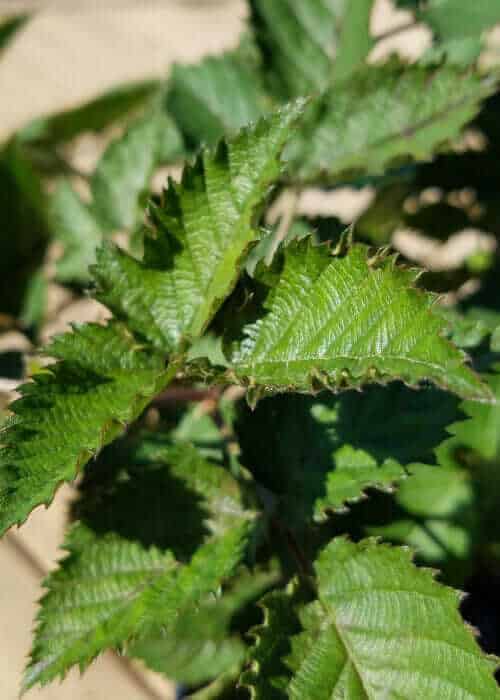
383 116
118 184
75 225
200 645
202 229
355 42
381 628
340 322
435 514
459 26
476 445
307 43
495 339
124 171
70 410
216 97
472 327
481 432
198 648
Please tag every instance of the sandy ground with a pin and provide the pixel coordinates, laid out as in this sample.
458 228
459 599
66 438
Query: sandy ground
70 52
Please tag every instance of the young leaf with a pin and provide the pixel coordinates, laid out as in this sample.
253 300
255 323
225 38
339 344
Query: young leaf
321 453
481 432
217 96
74 224
121 178
70 410
382 116
121 579
125 170
301 38
340 322
459 26
203 228
381 628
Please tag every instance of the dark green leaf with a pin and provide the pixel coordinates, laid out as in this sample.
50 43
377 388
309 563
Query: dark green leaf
322 453
9 28
70 411
24 225
307 43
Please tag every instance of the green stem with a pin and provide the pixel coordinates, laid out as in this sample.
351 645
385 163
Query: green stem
214 690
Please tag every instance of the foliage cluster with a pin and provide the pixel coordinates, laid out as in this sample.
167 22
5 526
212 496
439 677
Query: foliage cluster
278 430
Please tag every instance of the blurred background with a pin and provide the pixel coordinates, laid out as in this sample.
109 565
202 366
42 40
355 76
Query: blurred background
68 52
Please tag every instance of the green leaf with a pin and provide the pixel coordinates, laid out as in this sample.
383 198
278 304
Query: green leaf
216 97
435 513
130 591
202 644
74 224
126 490
459 26
470 328
198 649
70 410
35 300
482 432
134 570
318 454
300 39
383 116
202 230
267 676
9 28
340 322
124 172
118 184
382 628
476 445
24 225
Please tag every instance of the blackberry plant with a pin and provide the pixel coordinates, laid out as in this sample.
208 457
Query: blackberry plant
278 430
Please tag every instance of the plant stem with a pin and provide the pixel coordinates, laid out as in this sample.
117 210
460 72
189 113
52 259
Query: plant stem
284 226
394 31
215 689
